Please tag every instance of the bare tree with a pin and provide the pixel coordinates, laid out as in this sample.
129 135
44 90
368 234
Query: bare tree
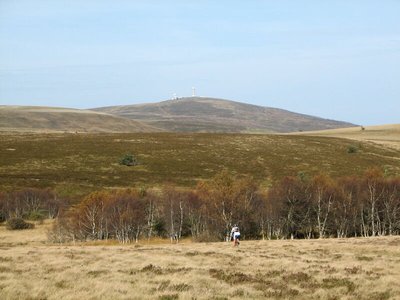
323 191
391 205
346 207
374 190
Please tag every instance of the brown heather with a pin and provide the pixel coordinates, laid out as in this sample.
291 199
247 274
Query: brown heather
355 268
75 164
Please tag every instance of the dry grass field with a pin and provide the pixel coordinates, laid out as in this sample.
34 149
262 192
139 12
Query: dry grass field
387 135
357 268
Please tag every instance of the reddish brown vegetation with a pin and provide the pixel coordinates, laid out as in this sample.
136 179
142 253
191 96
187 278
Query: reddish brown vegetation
294 207
30 203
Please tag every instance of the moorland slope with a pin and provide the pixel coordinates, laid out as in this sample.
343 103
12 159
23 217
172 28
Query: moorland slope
201 114
53 119
91 161
387 135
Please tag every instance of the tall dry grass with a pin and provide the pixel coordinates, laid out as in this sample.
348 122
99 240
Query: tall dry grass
364 268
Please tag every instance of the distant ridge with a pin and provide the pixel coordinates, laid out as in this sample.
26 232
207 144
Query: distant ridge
387 135
201 114
37 118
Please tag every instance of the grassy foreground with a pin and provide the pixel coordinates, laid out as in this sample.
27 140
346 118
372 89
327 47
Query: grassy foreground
83 162
357 268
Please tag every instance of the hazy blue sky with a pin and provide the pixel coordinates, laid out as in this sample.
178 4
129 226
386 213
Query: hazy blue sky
334 59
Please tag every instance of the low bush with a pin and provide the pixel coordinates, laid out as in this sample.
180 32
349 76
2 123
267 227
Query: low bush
352 149
2 217
18 224
129 160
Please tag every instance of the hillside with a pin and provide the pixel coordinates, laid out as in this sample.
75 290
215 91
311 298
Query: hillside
50 119
387 135
199 114
81 162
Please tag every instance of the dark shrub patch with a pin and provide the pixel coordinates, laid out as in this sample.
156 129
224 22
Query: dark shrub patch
152 269
169 297
182 287
18 224
2 217
380 296
129 160
353 270
233 278
364 258
352 149
333 282
297 277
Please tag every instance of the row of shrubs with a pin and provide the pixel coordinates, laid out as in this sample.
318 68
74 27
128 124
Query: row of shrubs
294 207
31 203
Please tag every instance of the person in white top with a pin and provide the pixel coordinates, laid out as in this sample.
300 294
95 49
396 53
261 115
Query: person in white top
235 235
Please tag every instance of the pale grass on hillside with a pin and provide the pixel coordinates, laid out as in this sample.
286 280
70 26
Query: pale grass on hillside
357 268
386 135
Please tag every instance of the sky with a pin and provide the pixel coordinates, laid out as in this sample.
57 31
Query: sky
333 59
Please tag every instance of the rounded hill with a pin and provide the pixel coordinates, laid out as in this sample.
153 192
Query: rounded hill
202 114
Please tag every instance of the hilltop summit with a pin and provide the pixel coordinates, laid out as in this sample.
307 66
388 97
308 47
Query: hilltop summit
203 114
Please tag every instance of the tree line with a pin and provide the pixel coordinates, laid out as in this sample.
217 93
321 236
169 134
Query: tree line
31 204
294 207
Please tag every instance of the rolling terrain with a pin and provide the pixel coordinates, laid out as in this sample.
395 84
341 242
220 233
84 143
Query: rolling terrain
200 114
54 119
387 135
77 163
194 114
